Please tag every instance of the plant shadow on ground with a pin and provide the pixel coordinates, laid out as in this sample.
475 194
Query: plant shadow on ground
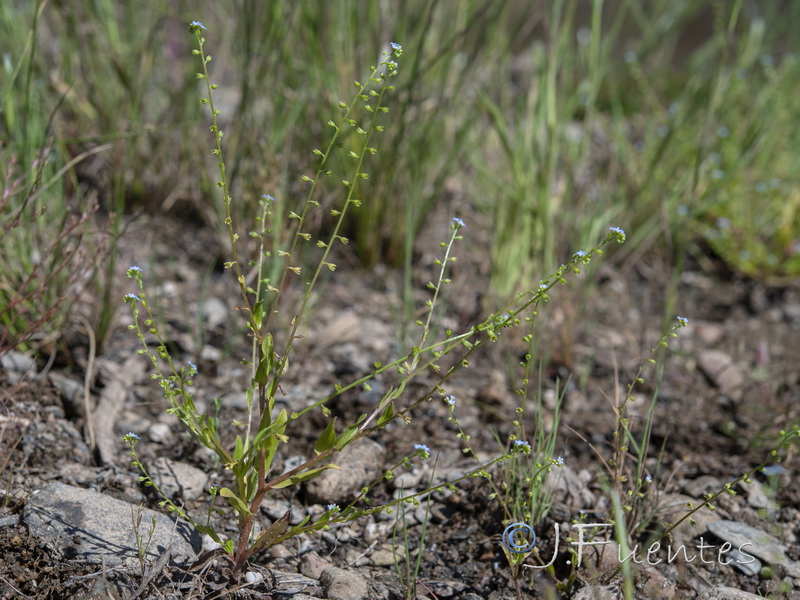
713 425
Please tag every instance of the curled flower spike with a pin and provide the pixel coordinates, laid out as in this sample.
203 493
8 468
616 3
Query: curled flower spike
619 234
423 450
131 437
134 271
457 223
682 321
196 26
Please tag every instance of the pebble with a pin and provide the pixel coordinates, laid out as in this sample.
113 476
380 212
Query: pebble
721 370
341 584
159 433
215 312
178 479
749 565
755 542
360 464
728 593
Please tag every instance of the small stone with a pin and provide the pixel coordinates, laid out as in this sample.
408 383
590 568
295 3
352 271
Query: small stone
654 585
178 480
386 556
360 464
445 589
721 370
728 593
755 542
215 312
252 577
313 565
749 565
596 592
340 584
159 433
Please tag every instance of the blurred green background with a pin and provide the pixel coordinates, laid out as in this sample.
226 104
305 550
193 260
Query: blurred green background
674 120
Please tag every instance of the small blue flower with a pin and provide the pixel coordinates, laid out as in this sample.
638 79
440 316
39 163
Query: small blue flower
682 321
543 287
620 233
192 369
560 461
451 400
131 437
134 271
423 450
648 479
332 507
132 298
392 65
396 48
213 489
268 198
631 57
522 446
502 319
196 26
457 223
579 254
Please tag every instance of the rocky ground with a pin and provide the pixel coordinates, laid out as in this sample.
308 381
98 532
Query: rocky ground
72 501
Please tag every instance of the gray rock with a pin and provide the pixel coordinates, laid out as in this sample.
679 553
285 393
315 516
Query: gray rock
597 592
728 593
445 589
340 584
92 527
313 565
721 370
159 433
215 312
178 480
755 542
71 392
360 464
749 565
294 584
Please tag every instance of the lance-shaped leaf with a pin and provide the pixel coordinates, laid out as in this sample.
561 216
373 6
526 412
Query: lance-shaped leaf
327 439
349 433
267 361
237 503
305 476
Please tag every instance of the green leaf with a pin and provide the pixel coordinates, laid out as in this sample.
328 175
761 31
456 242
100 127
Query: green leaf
267 361
388 413
238 451
301 477
236 502
349 433
327 439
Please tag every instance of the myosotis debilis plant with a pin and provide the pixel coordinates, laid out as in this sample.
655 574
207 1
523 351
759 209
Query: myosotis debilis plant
250 460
